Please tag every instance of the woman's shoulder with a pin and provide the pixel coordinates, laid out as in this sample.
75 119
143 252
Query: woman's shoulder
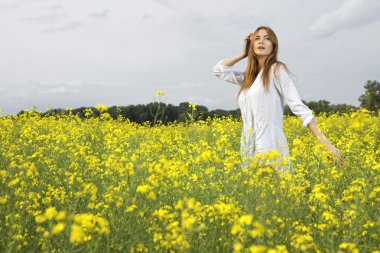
279 68
279 65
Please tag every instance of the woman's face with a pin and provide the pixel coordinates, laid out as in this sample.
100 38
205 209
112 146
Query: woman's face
261 44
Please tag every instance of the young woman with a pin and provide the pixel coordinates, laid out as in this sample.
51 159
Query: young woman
264 88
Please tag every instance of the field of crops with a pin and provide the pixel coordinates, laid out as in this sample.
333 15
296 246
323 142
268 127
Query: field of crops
101 185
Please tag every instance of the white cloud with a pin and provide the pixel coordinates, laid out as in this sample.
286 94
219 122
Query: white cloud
61 91
352 13
75 83
65 27
184 85
200 100
168 45
100 14
46 18
167 4
6 6
35 89
56 7
20 94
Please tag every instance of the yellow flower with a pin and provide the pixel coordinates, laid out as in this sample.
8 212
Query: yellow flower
193 179
258 230
160 213
302 242
103 226
131 208
236 229
58 228
188 222
101 108
179 204
3 200
157 237
327 216
60 215
245 219
255 233
348 246
50 213
40 229
77 234
192 105
143 188
238 247
257 249
14 182
206 155
152 195
40 218
160 93
281 249
86 221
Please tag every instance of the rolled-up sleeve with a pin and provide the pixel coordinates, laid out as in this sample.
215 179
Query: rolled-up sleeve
286 87
227 73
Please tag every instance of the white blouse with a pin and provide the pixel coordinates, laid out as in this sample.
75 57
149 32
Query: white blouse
262 112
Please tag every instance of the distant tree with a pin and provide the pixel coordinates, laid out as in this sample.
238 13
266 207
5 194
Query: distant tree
143 114
114 111
342 108
201 112
130 112
236 113
183 107
184 111
80 112
171 114
218 113
52 112
319 106
323 106
371 97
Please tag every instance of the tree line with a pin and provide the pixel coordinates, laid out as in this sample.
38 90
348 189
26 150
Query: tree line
164 113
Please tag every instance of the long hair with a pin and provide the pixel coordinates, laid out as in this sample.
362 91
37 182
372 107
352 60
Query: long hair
253 68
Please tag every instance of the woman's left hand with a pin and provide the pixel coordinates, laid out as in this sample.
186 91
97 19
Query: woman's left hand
331 149
334 151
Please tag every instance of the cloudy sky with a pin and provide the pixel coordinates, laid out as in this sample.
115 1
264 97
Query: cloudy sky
73 53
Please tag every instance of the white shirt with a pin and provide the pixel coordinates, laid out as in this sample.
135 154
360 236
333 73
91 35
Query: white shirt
262 112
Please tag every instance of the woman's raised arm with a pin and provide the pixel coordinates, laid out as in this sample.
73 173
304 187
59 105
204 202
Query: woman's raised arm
244 53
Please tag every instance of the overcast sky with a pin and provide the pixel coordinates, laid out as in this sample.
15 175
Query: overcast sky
73 53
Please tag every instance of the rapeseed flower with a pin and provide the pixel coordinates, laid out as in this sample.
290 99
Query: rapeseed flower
98 184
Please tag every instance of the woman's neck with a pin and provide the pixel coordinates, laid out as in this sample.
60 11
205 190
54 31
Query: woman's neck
261 61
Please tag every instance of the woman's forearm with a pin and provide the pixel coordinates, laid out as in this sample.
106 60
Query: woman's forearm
233 60
313 126
244 53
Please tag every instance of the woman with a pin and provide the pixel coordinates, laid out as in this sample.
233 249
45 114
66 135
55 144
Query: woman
264 88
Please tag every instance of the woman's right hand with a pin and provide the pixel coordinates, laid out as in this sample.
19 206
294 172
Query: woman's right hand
247 43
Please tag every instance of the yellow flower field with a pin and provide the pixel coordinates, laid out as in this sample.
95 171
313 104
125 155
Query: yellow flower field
103 185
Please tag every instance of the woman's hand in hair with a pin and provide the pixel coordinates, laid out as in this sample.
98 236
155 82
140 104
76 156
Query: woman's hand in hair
247 43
